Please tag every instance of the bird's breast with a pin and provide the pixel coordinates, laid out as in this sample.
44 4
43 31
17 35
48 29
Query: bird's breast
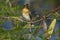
26 11
26 16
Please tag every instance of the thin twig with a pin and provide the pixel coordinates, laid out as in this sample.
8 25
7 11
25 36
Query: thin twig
53 11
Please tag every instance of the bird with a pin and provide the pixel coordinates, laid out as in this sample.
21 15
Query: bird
26 13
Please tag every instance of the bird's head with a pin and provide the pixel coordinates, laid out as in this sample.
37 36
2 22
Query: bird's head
26 6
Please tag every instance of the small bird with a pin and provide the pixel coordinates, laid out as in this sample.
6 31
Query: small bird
26 12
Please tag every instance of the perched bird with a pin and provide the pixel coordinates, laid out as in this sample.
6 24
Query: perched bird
26 12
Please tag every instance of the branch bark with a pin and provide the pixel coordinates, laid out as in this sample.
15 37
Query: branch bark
53 10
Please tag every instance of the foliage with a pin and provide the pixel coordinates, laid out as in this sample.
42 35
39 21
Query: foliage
20 30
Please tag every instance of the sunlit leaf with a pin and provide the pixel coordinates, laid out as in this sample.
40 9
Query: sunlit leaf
51 27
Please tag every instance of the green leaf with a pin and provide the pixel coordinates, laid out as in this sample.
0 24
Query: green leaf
27 26
37 28
51 28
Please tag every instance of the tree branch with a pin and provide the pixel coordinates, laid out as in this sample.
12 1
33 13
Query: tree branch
53 10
